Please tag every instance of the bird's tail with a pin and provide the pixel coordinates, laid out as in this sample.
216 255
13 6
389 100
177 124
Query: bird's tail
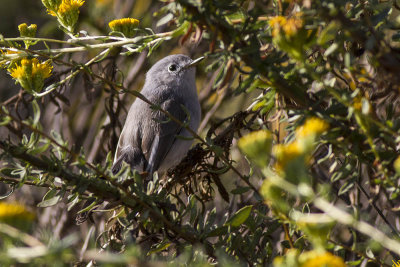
132 156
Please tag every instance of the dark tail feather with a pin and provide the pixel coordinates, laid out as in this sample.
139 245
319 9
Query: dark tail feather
133 156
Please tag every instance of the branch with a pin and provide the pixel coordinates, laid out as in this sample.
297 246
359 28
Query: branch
99 187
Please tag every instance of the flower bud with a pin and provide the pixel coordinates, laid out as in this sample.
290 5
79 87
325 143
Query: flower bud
51 5
257 146
127 26
27 31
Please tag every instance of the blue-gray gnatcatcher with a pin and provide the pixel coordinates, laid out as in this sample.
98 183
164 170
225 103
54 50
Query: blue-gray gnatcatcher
150 140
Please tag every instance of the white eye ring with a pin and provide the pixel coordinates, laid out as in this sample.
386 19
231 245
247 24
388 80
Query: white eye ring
172 68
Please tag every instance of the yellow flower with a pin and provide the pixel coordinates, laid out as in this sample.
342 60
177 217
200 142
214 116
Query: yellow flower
30 74
70 6
52 13
257 146
292 26
312 127
289 26
276 24
285 153
126 25
66 11
10 211
315 259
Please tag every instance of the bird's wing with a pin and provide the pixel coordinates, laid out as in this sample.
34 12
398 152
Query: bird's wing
165 138
128 148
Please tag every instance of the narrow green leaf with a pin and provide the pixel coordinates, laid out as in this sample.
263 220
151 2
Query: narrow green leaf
240 216
164 20
240 190
331 49
51 198
36 112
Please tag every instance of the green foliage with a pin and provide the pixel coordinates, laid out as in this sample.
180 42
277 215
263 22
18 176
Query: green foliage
307 90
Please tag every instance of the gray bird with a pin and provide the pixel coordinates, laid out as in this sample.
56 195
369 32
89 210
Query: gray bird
149 141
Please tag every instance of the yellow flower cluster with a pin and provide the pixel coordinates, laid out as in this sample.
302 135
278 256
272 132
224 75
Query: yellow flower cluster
305 137
312 258
289 26
70 6
66 11
286 153
276 24
31 73
126 25
315 259
313 126
10 211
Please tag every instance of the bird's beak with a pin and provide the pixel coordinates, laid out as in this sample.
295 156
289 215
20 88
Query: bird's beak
194 62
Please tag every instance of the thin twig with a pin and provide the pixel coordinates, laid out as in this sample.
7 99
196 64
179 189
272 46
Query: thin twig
372 202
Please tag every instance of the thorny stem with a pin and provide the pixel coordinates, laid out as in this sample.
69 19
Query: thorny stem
101 188
85 47
72 74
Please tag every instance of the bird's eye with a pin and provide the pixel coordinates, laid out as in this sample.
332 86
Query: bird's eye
172 68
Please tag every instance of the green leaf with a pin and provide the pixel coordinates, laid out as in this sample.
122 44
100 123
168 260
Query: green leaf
164 20
240 190
354 263
40 149
346 187
331 49
36 112
155 46
5 120
223 230
160 247
51 198
181 30
240 216
328 33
